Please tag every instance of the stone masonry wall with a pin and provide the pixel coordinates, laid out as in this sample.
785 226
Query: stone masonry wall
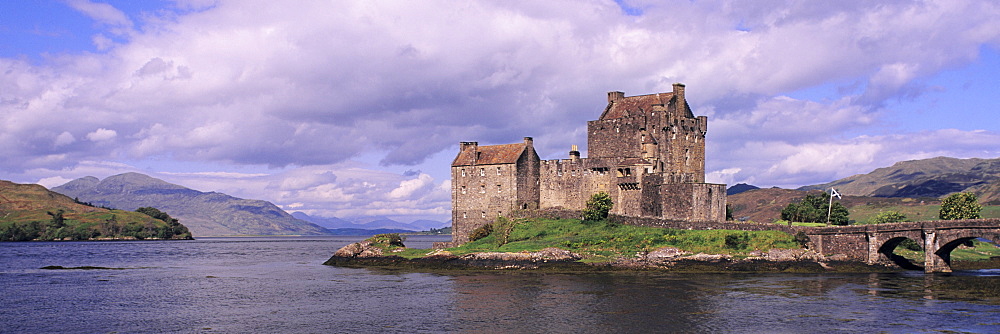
568 184
479 194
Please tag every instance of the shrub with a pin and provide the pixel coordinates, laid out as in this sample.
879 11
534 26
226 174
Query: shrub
598 207
737 240
481 232
814 209
801 238
960 206
911 245
388 239
885 217
502 226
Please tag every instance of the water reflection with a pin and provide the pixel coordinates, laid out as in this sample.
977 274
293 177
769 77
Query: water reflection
571 303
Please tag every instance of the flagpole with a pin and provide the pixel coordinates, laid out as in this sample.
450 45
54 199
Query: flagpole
829 208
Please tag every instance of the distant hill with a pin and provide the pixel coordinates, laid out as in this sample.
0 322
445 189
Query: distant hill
32 212
935 177
204 213
361 231
326 222
371 223
740 187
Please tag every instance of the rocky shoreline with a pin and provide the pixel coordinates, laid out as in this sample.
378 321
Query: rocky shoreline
365 254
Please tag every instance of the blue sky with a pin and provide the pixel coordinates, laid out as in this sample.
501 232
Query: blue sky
356 108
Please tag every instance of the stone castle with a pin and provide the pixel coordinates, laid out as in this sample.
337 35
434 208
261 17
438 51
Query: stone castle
647 152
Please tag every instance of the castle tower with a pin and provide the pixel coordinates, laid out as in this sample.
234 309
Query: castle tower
491 181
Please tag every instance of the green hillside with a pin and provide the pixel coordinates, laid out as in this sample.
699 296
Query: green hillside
935 177
31 212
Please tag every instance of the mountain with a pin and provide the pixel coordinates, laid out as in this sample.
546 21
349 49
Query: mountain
326 222
369 223
740 187
204 213
426 225
31 212
935 177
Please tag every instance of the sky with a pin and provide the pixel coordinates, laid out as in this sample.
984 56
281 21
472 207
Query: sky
356 108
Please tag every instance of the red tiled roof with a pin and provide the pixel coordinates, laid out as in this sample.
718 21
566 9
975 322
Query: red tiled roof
635 105
490 155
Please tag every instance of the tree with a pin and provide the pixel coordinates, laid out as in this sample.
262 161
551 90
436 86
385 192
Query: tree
156 213
960 206
885 217
598 207
814 209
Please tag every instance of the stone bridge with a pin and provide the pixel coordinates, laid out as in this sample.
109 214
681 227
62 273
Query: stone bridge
874 244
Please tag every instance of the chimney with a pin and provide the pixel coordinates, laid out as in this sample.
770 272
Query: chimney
528 141
574 153
679 92
615 96
471 145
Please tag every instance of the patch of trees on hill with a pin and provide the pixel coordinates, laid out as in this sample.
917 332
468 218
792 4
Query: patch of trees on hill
145 223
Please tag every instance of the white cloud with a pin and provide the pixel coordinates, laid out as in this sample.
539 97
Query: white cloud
408 187
64 138
101 12
304 89
54 181
102 134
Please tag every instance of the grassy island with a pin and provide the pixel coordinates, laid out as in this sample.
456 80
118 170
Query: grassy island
600 241
599 245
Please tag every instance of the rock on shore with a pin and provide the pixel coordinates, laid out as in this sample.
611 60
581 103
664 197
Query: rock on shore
364 254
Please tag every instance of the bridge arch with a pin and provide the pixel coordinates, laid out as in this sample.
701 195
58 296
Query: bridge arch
886 251
950 240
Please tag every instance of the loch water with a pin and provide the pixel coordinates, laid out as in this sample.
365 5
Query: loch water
279 285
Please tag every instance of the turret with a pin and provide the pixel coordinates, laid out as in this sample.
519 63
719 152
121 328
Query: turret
574 153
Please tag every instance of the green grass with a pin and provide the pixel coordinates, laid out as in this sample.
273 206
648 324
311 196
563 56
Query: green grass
598 241
863 213
981 251
785 222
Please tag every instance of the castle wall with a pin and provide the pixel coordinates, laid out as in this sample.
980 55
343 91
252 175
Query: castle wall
694 201
611 137
568 184
480 193
683 146
527 189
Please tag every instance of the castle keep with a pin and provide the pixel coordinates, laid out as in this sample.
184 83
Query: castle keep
647 152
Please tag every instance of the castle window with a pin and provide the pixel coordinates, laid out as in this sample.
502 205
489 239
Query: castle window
498 170
465 215
463 189
482 172
499 189
623 172
484 214
482 189
463 172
